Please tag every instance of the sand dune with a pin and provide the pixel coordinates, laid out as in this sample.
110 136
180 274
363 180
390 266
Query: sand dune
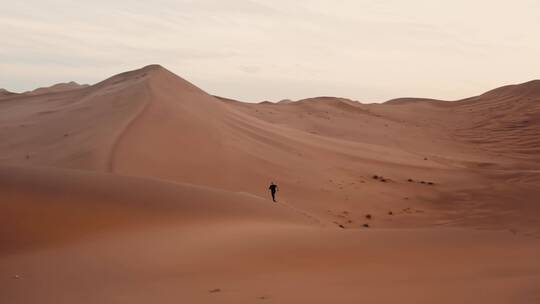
144 188
5 93
59 87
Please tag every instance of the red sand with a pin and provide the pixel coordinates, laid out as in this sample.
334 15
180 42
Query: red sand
145 189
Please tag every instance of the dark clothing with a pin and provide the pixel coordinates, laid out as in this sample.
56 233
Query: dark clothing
273 189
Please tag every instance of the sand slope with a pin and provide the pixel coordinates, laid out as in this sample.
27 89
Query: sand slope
144 188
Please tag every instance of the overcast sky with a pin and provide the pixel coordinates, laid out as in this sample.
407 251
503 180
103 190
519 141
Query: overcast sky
270 50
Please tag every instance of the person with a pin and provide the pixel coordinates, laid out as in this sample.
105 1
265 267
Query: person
273 189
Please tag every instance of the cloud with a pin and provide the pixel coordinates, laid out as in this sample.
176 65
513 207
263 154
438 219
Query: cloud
250 69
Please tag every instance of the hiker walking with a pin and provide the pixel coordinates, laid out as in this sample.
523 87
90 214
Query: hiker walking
273 189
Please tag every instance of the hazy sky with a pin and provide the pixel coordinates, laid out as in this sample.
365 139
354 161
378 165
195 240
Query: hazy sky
255 50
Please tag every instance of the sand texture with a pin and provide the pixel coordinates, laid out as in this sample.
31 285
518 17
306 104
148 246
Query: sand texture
144 188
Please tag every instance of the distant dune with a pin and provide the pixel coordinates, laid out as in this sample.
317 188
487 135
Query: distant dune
5 93
143 188
59 87
410 99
